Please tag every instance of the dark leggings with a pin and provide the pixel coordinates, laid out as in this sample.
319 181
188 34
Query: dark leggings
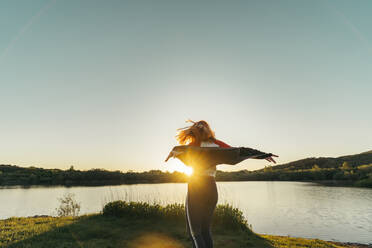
201 201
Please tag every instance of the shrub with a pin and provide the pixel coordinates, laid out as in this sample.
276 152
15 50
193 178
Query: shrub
68 206
224 216
230 217
143 210
364 183
345 166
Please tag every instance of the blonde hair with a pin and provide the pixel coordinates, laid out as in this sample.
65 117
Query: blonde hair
195 134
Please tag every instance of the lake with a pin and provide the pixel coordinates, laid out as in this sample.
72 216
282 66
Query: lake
280 208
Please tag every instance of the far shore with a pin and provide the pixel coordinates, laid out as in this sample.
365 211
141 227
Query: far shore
332 183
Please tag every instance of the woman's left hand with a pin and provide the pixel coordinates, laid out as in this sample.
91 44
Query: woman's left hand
270 159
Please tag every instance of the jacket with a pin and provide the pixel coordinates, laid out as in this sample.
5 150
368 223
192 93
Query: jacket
201 158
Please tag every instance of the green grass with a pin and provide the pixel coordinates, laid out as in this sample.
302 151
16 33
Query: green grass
135 225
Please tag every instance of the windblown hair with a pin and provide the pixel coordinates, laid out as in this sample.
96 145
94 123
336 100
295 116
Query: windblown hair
195 134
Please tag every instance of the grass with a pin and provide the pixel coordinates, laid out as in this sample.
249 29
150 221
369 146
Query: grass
136 225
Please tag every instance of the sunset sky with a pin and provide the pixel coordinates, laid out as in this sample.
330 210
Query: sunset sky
105 84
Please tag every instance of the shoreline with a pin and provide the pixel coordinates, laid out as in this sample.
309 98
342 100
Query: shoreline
346 244
331 183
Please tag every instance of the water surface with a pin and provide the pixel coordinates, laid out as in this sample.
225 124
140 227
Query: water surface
279 208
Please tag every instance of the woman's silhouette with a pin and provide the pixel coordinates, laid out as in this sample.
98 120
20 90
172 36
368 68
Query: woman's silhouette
200 149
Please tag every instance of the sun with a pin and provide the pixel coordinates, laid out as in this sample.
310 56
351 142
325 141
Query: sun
176 165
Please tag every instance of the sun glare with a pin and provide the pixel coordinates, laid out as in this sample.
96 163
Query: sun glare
176 165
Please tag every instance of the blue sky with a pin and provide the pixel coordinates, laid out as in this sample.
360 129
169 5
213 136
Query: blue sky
105 84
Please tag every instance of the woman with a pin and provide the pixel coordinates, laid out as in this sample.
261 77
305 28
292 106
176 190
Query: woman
201 150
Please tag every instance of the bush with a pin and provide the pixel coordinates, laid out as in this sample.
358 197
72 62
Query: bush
230 217
68 206
364 183
225 215
143 210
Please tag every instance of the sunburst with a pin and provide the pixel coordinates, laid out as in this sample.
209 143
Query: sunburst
176 165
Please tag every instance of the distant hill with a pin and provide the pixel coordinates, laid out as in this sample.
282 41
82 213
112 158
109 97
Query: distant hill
326 162
367 152
347 170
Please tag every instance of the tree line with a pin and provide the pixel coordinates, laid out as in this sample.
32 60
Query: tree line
15 175
355 169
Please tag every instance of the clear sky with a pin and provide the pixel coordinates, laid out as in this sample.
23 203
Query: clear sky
105 84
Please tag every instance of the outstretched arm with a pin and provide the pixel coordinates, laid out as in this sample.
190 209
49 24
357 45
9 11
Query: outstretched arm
211 156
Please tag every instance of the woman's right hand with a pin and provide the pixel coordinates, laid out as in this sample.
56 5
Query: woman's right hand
172 154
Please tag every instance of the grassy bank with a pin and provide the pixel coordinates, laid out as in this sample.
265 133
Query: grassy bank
135 225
